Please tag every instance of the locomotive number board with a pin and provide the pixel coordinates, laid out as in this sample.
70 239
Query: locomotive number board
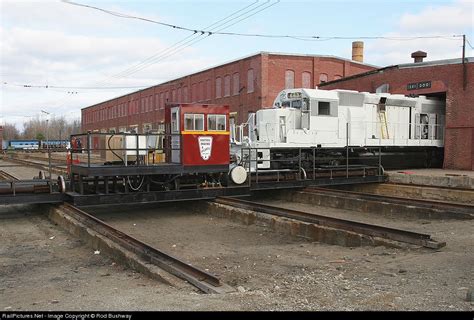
419 85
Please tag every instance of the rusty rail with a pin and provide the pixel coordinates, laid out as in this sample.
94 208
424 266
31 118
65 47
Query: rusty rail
421 239
204 281
7 176
466 210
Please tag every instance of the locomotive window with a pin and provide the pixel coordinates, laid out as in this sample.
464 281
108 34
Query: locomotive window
323 108
216 122
296 104
193 122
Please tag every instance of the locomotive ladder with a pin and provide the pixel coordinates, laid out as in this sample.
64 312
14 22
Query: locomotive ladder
383 124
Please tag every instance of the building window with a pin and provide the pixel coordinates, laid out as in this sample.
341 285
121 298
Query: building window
208 89
167 97
323 78
227 86
216 122
193 122
185 94
250 81
201 91
306 79
173 95
218 87
289 79
235 83
162 100
179 94
157 101
193 92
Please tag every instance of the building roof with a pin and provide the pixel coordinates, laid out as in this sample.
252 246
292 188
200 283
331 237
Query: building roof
235 60
403 66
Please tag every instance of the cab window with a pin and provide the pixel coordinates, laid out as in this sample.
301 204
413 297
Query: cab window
193 122
216 122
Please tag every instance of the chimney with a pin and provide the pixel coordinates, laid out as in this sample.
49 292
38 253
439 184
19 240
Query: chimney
418 56
358 51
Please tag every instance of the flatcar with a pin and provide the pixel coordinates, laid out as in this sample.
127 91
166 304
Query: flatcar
331 125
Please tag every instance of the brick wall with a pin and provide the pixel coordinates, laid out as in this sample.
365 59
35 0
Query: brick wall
147 106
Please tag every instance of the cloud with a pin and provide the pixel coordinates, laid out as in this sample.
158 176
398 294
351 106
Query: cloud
449 20
440 19
56 44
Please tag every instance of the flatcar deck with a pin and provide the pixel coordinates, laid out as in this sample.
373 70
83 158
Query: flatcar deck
98 170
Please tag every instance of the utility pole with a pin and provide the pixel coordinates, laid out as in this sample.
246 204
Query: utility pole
464 69
47 143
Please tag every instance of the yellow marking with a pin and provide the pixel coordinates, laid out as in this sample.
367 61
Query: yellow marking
206 132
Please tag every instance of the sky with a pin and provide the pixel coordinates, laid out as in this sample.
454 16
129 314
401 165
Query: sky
71 57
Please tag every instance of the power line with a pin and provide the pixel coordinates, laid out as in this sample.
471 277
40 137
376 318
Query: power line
71 87
296 37
468 43
184 43
198 39
165 53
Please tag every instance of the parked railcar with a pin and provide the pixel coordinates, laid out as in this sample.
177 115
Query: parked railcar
24 144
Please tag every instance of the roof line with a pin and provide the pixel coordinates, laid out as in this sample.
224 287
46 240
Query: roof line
402 66
260 53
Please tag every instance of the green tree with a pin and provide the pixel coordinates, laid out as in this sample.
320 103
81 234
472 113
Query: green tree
40 136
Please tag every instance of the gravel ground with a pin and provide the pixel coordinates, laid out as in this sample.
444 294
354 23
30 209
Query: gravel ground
44 268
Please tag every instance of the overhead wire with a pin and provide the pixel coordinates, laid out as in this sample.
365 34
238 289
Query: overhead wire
190 40
196 40
211 32
176 43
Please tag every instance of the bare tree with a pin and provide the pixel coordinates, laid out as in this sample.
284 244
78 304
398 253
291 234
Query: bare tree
56 128
10 132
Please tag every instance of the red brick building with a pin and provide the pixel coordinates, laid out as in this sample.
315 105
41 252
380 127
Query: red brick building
246 85
448 79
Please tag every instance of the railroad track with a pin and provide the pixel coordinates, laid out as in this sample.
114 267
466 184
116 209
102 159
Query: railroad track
203 280
399 235
57 169
7 176
461 210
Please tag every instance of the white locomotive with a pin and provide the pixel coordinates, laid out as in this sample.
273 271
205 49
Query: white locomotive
405 129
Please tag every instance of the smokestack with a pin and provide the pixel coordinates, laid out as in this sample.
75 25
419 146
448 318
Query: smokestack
418 56
358 51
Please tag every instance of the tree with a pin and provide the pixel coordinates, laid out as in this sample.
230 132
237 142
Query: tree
10 132
56 128
40 136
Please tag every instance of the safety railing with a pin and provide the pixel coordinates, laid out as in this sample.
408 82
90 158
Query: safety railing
311 163
124 148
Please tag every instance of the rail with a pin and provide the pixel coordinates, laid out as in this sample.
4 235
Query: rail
7 176
202 280
399 235
462 209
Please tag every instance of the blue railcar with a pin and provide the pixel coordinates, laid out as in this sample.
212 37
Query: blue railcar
54 144
24 144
